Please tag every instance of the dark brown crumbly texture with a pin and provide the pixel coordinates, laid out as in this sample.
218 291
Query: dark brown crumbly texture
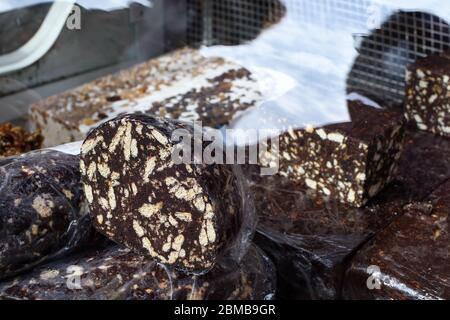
311 238
116 273
214 107
349 161
15 140
428 93
180 214
425 163
412 255
41 209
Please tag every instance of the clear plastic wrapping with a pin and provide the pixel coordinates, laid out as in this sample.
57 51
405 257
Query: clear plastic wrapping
116 273
42 210
311 238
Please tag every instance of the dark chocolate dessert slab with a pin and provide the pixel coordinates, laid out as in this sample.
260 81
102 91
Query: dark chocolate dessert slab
185 214
410 258
117 273
425 163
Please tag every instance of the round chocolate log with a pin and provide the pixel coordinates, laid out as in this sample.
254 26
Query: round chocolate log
185 215
41 209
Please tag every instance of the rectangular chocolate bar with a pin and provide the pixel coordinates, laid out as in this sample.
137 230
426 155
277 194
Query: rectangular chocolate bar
181 85
410 258
349 161
116 273
428 93
42 209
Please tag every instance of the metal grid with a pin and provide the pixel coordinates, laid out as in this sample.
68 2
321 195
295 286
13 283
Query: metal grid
379 70
384 51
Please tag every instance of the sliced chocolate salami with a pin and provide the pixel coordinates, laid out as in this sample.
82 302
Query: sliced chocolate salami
182 214
427 93
42 211
349 161
117 273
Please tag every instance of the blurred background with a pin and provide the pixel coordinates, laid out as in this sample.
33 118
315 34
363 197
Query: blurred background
310 54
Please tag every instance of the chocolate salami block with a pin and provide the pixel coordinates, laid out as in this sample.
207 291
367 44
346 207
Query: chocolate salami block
181 85
182 214
410 258
428 93
42 211
117 273
310 238
349 161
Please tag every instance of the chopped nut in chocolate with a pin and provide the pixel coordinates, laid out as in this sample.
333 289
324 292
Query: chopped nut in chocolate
428 93
349 161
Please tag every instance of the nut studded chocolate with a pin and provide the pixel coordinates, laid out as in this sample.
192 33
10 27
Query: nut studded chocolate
180 214
428 93
350 161
410 258
181 85
116 273
41 209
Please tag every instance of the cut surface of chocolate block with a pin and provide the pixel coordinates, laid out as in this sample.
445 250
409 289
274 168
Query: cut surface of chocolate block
185 214
15 140
118 273
349 161
425 163
181 85
428 93
410 258
310 238
42 209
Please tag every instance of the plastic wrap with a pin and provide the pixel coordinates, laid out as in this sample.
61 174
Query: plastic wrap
187 214
117 273
313 238
42 209
410 258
